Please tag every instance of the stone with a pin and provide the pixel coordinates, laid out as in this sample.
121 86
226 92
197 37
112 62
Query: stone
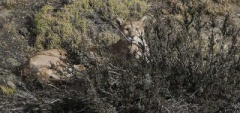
11 84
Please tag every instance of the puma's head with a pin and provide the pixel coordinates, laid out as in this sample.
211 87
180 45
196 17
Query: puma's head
132 28
133 31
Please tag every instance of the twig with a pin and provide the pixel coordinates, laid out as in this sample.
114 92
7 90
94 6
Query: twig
117 29
113 72
55 101
53 86
194 93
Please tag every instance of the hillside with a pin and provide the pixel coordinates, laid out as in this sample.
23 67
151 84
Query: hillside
194 64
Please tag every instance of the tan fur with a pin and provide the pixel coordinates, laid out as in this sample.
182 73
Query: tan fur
133 42
46 65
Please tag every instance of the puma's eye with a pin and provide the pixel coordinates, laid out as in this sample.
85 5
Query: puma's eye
127 29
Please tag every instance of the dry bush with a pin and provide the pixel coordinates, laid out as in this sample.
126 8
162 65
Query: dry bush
10 4
79 22
213 7
188 71
184 63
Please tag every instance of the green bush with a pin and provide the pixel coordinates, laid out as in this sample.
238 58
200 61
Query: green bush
53 28
73 21
7 90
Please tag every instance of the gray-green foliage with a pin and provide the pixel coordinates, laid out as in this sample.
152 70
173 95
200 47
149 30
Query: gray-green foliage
71 23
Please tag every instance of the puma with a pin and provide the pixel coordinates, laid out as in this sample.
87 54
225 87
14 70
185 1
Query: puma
47 65
133 42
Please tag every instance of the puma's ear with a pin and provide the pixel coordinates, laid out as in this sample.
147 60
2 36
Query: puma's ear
119 21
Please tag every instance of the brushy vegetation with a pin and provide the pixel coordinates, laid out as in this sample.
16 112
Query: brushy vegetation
194 64
189 61
215 7
7 90
72 22
10 4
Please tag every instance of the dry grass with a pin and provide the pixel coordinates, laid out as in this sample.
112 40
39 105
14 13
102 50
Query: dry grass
12 3
7 90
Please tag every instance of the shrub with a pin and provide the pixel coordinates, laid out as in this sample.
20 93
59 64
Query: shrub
10 4
54 28
73 21
108 38
7 90
184 64
188 66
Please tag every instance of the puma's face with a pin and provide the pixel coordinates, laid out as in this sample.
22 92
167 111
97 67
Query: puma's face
132 29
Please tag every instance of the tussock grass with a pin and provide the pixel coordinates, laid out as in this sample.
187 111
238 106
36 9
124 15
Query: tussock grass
7 90
71 23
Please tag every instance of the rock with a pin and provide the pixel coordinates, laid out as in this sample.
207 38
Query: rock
238 15
11 84
164 11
